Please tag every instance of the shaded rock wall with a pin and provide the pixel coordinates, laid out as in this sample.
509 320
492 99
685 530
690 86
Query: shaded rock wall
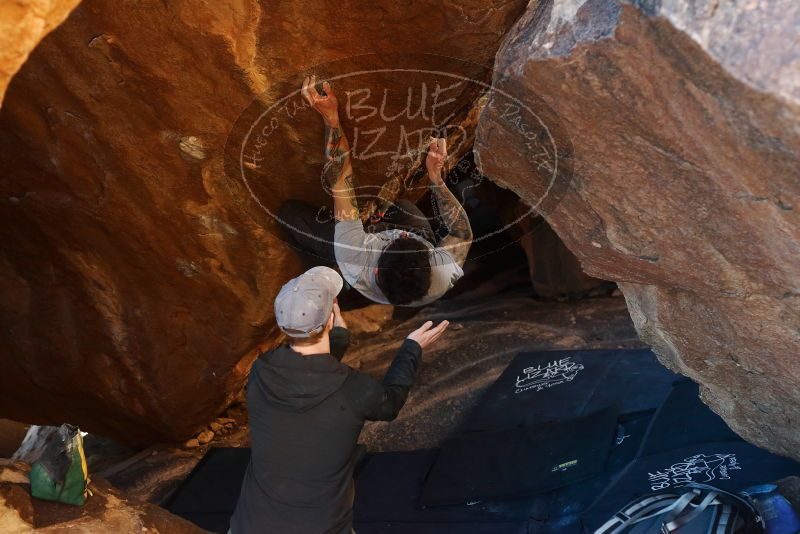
681 152
137 275
556 274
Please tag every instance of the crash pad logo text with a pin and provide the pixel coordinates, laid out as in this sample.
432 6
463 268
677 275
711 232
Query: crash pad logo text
702 468
548 375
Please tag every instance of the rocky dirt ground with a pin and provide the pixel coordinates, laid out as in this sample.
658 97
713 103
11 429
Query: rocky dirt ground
485 333
486 330
106 510
490 322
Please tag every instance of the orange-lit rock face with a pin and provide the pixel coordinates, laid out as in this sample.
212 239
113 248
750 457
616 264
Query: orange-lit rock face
137 277
23 23
139 259
685 184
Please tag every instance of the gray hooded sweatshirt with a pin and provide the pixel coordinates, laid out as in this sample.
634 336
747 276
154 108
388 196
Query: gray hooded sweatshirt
306 413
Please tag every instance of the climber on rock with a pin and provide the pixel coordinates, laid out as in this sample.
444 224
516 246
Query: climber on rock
395 262
306 410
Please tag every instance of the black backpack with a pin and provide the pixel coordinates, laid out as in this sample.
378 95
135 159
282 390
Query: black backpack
693 509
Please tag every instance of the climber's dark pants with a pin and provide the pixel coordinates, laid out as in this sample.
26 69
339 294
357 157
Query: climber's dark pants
404 215
310 231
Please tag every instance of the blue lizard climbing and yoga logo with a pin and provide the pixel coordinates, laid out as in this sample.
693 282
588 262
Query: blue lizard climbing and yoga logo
703 468
548 375
390 114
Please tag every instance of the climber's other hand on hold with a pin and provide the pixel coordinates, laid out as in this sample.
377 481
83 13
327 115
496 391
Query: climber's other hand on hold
326 104
434 162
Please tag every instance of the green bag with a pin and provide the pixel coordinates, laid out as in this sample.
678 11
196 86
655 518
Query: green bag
60 474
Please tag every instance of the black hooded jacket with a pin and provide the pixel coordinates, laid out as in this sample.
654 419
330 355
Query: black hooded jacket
306 413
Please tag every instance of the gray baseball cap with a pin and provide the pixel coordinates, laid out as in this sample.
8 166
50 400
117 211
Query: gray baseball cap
305 303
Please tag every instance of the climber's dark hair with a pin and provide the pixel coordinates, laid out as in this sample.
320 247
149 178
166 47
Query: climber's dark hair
404 271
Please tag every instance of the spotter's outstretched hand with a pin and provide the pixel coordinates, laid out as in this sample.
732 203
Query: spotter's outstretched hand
327 105
427 333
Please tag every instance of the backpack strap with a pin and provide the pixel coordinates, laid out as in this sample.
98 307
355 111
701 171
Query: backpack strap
673 507
726 521
638 510
744 501
675 520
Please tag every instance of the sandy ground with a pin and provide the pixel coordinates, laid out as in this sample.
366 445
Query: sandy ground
484 335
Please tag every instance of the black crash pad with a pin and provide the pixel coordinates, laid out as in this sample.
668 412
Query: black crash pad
518 527
574 499
684 420
521 461
389 486
665 435
538 387
209 494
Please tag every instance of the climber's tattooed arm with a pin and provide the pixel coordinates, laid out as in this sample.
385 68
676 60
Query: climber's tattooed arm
459 237
349 182
447 207
338 173
338 170
333 153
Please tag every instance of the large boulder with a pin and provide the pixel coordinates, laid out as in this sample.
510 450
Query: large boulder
670 130
137 276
